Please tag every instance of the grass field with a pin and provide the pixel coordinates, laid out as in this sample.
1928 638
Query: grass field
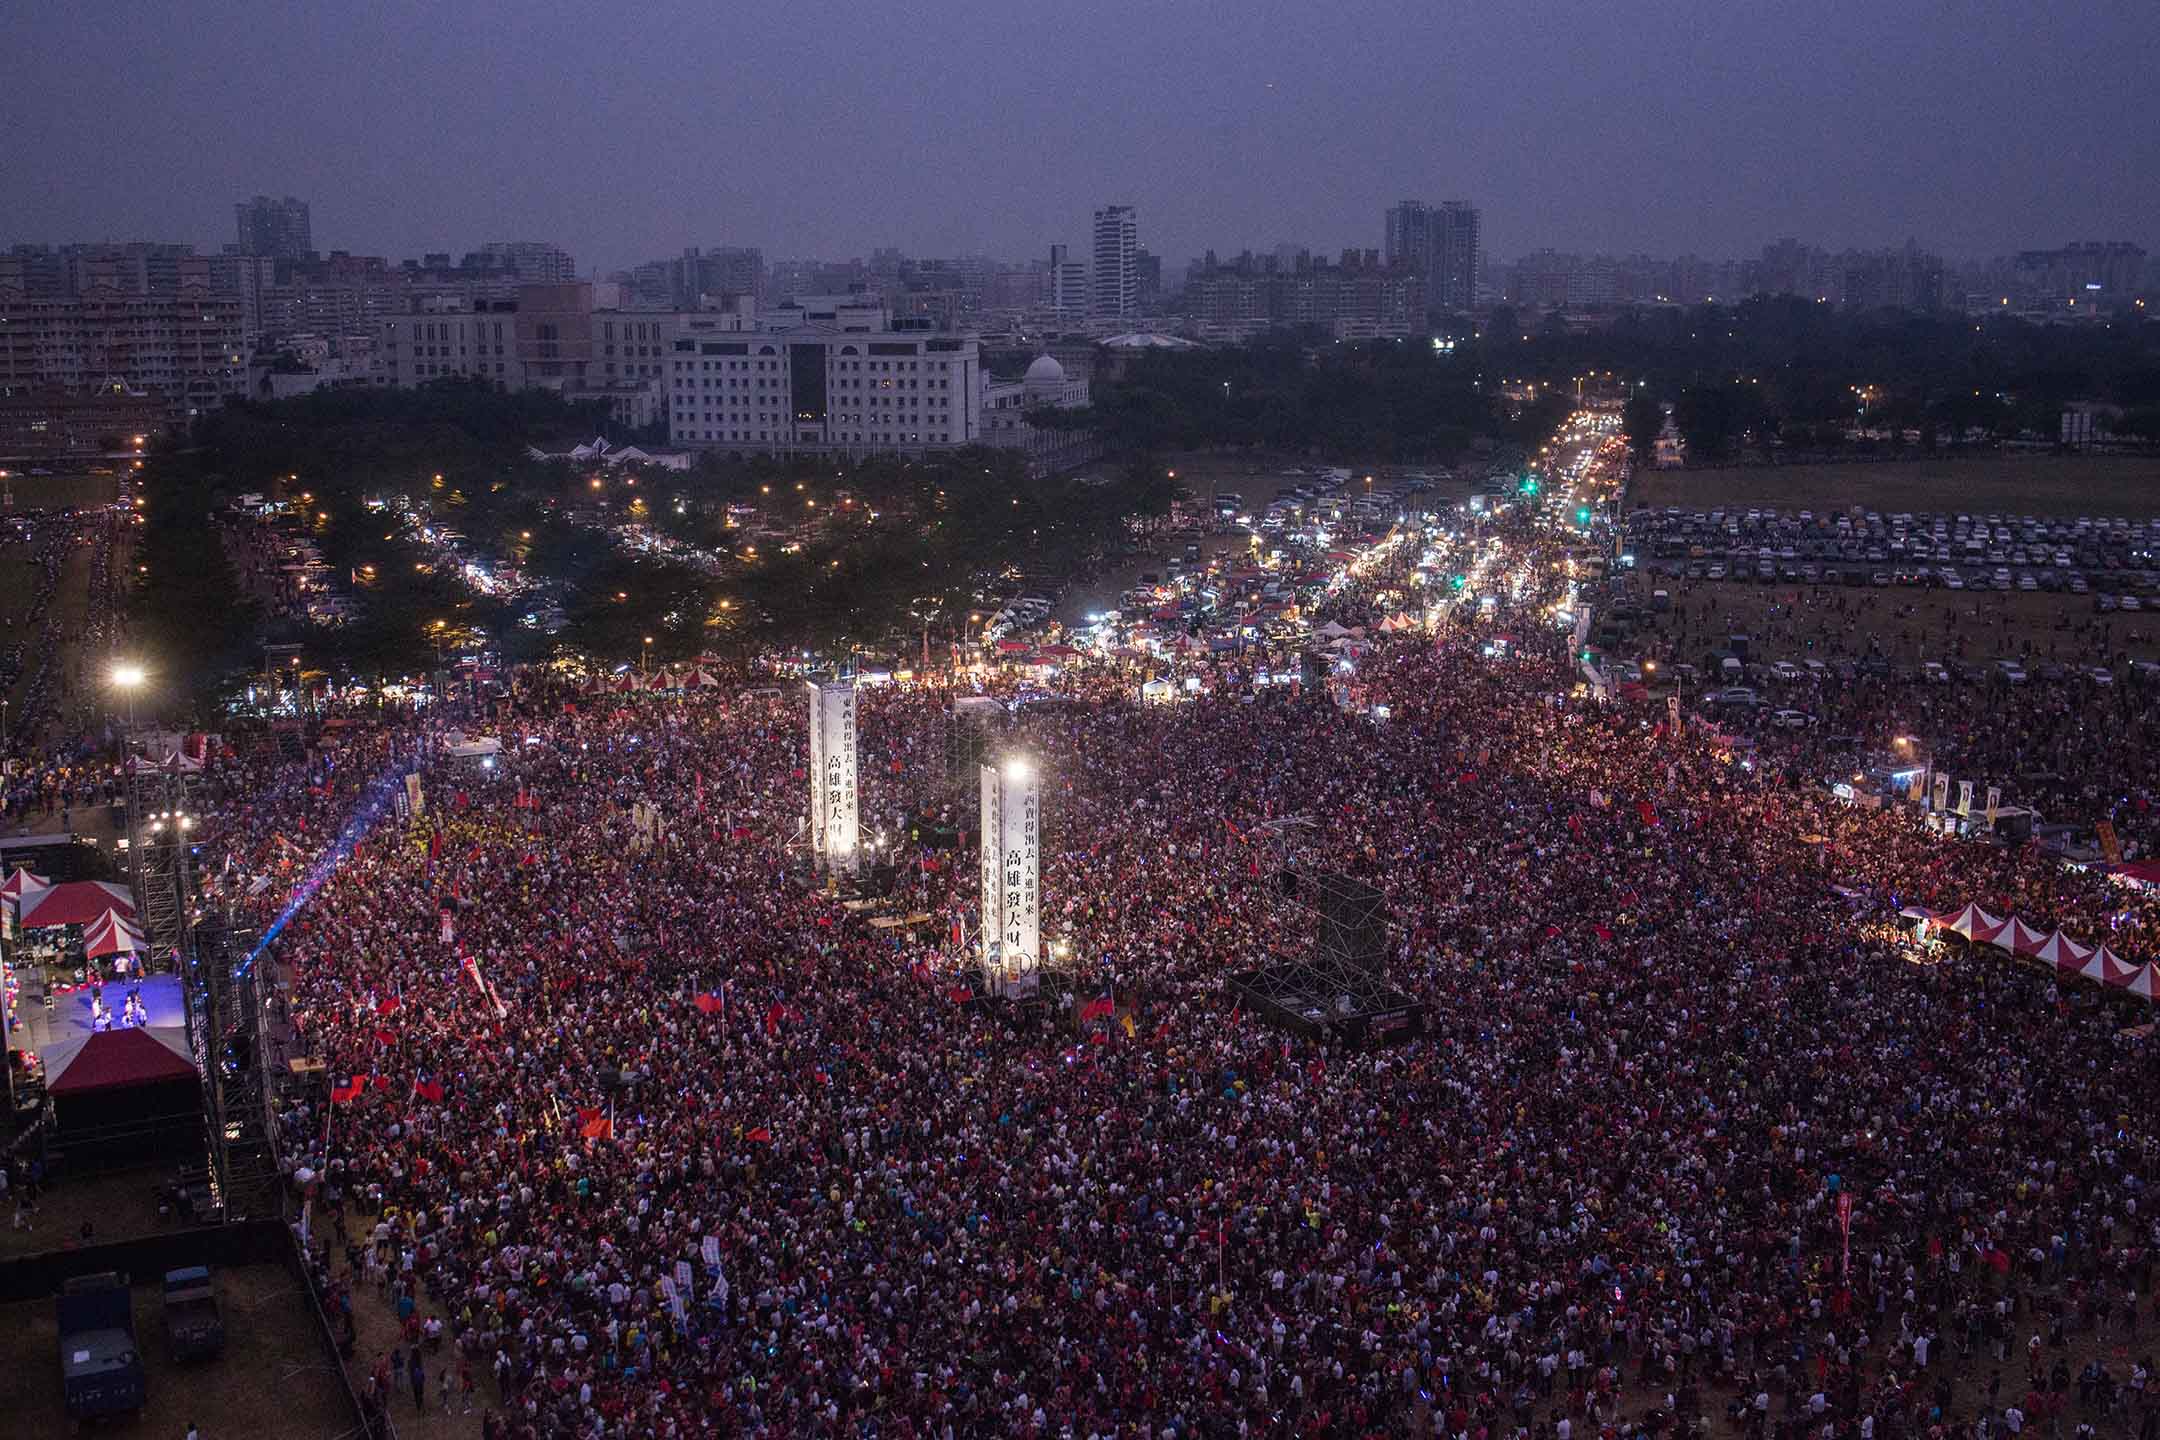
59 492
2016 484
1830 622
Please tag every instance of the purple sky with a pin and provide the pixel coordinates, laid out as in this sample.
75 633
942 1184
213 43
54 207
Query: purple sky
960 126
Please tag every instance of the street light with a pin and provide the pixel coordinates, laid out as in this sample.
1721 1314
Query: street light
128 677
648 654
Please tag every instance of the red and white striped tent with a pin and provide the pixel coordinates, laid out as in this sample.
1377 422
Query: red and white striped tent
113 934
1971 922
627 683
78 902
2018 938
699 679
2062 952
22 884
2142 983
2108 968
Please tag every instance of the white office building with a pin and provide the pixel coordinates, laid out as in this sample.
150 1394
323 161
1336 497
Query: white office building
1116 272
827 375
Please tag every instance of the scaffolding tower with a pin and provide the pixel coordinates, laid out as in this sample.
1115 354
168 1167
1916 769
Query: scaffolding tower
224 994
161 823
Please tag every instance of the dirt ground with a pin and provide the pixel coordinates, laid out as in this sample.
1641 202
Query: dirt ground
378 1329
2014 484
272 1380
119 1206
1828 622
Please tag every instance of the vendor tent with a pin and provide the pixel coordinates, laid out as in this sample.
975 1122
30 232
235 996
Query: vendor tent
1973 923
2018 938
2141 984
77 903
2107 968
113 934
23 885
2062 952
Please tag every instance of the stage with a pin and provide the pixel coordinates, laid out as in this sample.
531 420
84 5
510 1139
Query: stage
69 1018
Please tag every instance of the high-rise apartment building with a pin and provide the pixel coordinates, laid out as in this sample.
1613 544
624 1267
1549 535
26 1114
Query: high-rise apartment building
1116 273
532 262
1457 254
1070 296
1441 245
277 228
1409 236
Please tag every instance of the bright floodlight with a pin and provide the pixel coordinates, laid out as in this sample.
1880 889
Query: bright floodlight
1018 769
127 677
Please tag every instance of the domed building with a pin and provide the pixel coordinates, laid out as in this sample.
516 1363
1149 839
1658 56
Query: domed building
1044 386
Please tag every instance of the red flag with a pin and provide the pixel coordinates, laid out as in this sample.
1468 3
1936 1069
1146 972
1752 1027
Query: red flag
1649 816
429 1090
347 1093
382 1083
385 1037
434 847
594 1124
1097 1008
708 1003
386 1005
1602 932
1574 824
956 930
959 994
761 1136
774 1013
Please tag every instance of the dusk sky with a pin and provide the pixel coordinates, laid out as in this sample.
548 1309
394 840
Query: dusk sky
819 128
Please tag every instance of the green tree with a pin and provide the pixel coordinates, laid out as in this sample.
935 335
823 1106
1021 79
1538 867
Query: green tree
1643 417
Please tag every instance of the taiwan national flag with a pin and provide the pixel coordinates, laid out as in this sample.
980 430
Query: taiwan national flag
1097 1008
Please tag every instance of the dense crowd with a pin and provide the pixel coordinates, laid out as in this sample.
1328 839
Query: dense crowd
2071 746
61 752
1605 1193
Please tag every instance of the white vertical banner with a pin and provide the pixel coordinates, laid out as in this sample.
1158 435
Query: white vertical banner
1020 853
993 870
1965 789
1994 803
1942 793
835 833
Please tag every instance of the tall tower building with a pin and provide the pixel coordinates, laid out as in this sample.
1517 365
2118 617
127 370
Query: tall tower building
1116 275
1409 237
1457 252
1070 295
276 228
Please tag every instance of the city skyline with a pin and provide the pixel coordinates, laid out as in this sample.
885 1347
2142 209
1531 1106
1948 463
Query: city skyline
1296 126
